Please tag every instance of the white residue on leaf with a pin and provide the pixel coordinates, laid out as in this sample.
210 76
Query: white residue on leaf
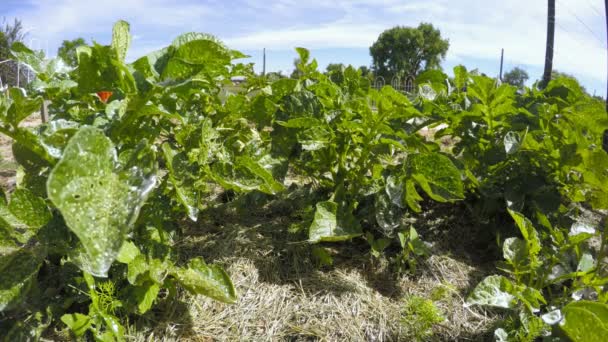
580 228
552 317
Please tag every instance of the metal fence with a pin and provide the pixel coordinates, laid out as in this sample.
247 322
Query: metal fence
404 85
15 74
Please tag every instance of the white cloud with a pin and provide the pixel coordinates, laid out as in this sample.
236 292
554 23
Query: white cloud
477 29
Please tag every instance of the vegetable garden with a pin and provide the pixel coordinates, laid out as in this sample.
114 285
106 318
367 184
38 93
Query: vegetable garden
135 152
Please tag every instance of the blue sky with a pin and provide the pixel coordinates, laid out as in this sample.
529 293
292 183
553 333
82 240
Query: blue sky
338 30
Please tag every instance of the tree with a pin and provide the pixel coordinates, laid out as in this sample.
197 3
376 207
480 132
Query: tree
67 51
296 73
275 75
406 51
334 71
365 71
516 77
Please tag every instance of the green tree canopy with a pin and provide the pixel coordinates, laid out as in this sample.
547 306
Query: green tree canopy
334 71
365 71
402 51
516 77
67 51
296 73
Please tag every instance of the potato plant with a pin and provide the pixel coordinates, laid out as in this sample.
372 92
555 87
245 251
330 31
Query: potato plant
133 150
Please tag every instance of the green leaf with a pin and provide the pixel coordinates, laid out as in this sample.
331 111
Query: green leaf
78 323
412 197
322 256
494 291
529 233
332 224
98 204
304 55
182 179
136 268
29 208
512 142
209 280
586 263
515 251
461 77
121 39
127 253
303 122
437 176
269 185
17 272
22 218
145 296
22 106
585 321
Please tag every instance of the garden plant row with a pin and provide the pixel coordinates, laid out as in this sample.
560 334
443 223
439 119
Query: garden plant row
134 149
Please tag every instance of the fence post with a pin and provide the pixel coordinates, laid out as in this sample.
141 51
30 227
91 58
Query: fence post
44 111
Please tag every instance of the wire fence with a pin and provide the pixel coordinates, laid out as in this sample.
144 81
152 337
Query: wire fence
15 74
406 85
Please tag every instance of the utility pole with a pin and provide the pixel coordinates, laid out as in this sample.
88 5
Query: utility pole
550 41
605 140
502 58
264 62
606 133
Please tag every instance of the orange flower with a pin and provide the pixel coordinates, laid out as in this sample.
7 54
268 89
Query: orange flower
104 95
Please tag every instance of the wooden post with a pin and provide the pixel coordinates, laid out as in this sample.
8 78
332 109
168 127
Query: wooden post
549 47
44 111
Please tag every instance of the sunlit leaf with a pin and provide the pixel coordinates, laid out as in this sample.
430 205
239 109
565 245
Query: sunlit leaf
209 280
585 321
98 204
331 224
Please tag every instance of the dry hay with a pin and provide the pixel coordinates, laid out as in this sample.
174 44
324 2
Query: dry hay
284 296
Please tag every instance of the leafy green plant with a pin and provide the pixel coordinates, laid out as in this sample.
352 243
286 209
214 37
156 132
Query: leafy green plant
106 181
550 271
419 316
357 153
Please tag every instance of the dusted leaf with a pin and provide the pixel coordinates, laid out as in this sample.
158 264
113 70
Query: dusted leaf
209 280
493 291
515 251
78 323
512 142
98 204
585 321
388 215
17 272
332 224
437 176
21 219
29 208
121 39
